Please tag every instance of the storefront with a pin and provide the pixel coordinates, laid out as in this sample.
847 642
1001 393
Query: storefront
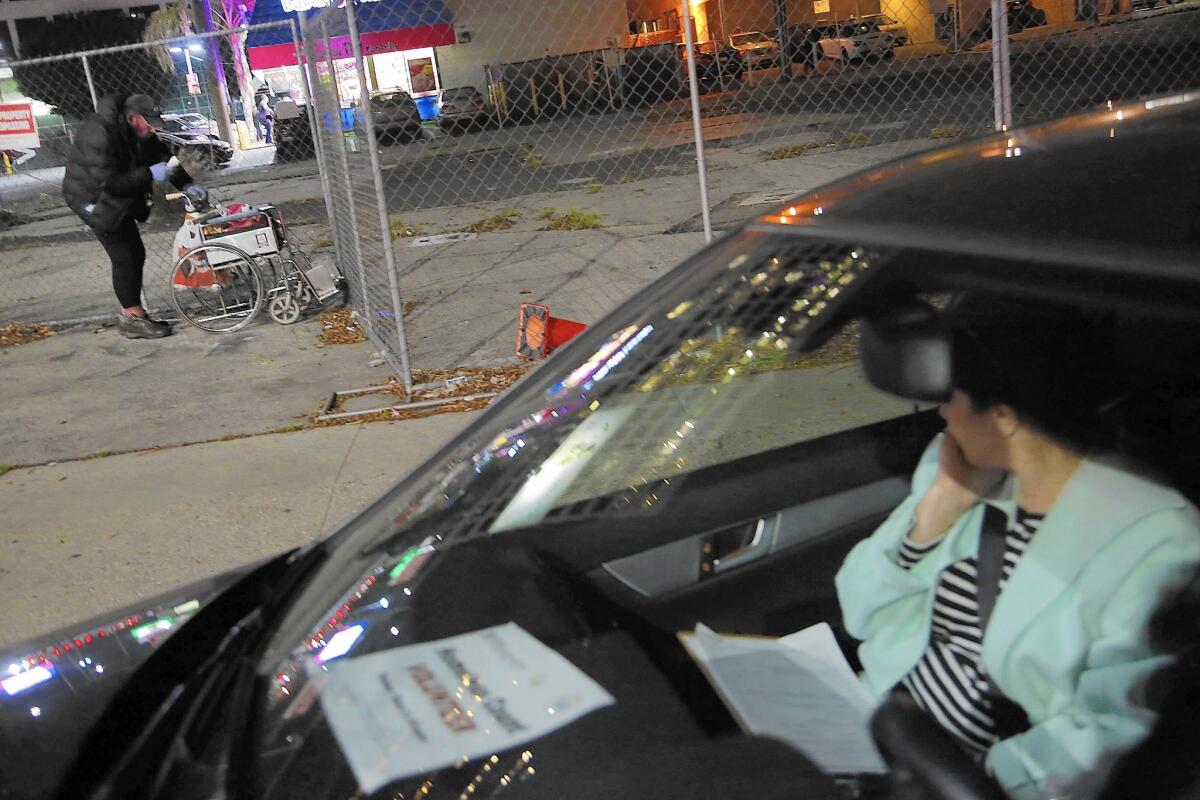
397 37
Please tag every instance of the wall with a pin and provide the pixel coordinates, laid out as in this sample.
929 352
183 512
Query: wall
505 31
651 10
914 15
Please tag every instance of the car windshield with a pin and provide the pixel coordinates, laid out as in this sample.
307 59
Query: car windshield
711 373
755 37
173 125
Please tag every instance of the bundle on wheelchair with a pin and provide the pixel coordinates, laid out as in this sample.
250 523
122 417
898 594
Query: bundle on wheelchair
233 259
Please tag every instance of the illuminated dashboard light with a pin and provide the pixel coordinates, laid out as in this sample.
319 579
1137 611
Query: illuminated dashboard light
35 712
15 684
142 633
340 643
188 607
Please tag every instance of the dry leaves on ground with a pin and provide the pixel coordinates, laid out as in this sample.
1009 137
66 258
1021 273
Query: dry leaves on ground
339 327
497 222
18 333
573 220
447 384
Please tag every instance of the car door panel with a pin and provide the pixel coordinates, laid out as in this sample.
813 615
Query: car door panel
779 563
685 563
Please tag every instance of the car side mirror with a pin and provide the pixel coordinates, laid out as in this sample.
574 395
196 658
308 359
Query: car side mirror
906 351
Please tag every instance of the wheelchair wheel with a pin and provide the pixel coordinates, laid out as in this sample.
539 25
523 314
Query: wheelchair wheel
217 288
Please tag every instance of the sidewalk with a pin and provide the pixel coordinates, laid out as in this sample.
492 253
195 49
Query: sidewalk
91 535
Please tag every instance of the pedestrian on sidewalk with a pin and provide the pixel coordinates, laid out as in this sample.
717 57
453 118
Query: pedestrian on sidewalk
110 172
265 117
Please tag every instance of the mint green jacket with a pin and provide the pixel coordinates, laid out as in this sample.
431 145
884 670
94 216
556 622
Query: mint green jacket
1067 637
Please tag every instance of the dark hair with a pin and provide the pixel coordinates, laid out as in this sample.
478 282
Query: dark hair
1052 363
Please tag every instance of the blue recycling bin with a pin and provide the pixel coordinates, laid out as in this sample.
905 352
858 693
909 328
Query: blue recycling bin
347 119
428 106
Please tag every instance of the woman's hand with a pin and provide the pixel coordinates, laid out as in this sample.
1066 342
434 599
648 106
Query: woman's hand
958 486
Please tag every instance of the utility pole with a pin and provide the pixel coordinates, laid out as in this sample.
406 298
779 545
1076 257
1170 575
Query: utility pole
214 69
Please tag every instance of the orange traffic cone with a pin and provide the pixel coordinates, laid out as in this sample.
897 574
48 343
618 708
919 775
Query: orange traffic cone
539 334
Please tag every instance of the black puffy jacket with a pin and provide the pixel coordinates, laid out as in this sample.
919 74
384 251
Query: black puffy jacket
109 166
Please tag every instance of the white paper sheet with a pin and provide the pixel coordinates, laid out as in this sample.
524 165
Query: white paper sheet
799 689
422 707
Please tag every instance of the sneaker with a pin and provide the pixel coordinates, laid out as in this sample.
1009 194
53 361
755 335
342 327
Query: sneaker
141 328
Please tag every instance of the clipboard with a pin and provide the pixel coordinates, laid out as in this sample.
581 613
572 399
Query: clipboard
798 689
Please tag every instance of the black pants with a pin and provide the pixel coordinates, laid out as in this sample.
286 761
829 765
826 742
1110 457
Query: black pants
128 255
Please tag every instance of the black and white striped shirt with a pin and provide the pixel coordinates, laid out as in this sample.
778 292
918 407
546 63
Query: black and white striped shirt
950 681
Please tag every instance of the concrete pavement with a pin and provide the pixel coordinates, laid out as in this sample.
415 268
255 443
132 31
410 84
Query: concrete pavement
78 538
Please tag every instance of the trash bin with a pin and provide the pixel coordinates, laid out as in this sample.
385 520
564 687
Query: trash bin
347 119
427 106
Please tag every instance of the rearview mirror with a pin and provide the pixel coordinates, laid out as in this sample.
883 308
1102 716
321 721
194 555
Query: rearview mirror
905 351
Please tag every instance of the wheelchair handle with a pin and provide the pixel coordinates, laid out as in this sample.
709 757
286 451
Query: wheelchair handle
174 196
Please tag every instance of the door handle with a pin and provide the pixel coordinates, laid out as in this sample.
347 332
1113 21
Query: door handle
733 547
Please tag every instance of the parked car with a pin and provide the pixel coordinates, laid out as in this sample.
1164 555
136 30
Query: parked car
292 132
694 456
888 24
717 67
193 145
800 41
395 114
756 48
462 106
191 121
1024 14
854 41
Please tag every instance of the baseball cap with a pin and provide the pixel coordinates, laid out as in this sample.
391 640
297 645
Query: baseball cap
144 104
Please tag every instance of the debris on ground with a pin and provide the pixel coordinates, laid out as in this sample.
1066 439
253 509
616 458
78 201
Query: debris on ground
402 231
573 220
497 222
441 384
11 219
945 131
794 150
338 326
19 333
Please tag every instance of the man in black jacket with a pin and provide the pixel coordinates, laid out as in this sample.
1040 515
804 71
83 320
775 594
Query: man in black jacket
111 169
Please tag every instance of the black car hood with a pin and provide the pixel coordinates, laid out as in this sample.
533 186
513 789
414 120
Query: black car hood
1128 166
80 668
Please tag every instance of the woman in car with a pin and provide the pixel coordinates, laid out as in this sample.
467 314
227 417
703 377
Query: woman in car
1046 691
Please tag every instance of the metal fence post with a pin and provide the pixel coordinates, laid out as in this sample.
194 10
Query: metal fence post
389 255
299 34
701 170
1001 67
87 73
345 165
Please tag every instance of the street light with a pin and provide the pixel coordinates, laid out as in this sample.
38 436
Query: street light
187 57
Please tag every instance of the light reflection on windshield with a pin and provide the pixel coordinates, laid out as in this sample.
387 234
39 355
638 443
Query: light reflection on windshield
664 394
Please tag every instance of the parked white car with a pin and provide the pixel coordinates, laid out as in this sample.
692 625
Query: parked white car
889 25
757 49
852 41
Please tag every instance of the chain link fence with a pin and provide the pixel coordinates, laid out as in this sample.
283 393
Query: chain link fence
572 127
54 268
573 116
